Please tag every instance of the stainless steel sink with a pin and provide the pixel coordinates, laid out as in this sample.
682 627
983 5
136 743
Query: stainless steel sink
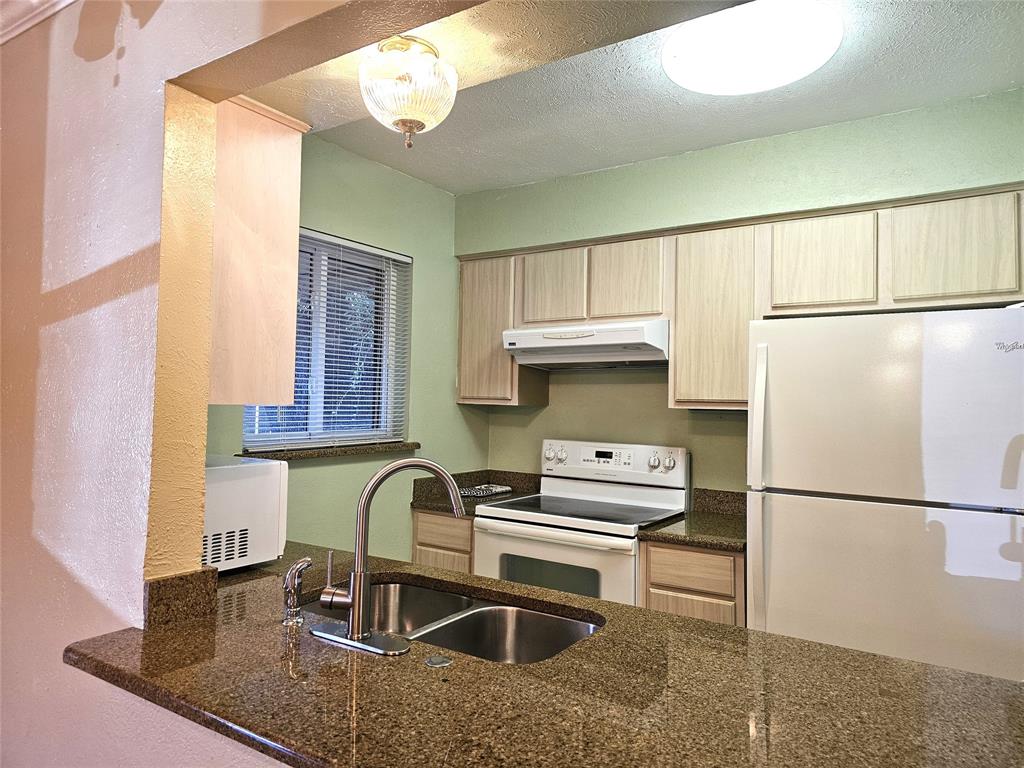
402 608
481 628
507 634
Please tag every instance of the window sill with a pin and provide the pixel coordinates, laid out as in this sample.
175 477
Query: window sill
331 451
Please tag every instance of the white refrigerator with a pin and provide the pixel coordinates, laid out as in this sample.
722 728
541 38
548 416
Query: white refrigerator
886 484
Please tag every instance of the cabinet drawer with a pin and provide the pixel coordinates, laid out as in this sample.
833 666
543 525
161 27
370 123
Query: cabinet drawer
444 531
691 570
693 606
441 558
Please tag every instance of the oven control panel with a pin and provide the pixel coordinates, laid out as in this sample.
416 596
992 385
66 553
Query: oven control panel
656 465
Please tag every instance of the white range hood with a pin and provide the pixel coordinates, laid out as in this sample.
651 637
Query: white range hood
633 343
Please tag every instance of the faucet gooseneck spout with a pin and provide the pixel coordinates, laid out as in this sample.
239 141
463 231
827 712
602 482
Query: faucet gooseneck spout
357 598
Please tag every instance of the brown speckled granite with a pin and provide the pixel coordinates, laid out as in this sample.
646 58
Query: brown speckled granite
648 689
331 451
429 494
185 596
720 502
718 521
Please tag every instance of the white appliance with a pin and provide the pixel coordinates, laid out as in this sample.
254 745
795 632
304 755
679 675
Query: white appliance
567 346
886 502
579 534
246 511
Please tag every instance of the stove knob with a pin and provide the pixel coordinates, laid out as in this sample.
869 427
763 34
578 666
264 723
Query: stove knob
654 462
670 463
562 456
549 454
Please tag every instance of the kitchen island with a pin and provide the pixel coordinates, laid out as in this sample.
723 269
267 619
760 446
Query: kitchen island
647 689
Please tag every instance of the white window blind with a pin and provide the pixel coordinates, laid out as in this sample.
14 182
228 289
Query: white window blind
351 350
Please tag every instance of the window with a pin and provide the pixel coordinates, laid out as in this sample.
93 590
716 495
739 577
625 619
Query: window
351 350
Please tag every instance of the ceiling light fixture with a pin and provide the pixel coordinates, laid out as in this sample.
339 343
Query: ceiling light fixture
407 86
753 47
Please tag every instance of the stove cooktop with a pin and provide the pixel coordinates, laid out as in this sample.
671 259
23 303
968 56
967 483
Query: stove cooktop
577 512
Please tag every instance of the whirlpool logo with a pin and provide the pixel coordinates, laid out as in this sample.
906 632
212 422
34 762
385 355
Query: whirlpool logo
1010 346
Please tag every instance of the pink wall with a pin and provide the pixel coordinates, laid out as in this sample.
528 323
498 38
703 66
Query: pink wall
81 147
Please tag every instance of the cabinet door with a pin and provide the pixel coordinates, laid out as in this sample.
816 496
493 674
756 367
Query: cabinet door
255 258
966 247
625 278
555 286
441 558
713 309
485 310
824 260
693 606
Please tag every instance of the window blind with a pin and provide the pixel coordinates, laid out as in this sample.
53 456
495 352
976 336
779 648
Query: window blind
351 350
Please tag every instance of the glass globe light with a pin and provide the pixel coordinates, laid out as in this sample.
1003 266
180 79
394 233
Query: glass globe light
407 87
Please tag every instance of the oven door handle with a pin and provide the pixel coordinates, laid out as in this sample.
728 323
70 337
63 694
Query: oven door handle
554 535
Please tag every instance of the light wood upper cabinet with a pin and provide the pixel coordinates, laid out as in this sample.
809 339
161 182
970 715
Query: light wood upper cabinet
489 375
555 285
255 255
485 310
824 260
713 309
965 247
626 279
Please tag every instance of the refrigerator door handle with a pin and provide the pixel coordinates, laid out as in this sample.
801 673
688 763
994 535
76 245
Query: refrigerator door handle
755 468
757 611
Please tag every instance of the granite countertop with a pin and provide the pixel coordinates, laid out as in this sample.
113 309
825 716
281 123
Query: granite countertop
717 521
647 689
428 492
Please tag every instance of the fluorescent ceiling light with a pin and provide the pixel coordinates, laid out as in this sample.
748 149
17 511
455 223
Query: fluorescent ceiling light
752 47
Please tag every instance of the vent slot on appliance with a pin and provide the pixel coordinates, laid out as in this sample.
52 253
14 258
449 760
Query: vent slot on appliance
225 546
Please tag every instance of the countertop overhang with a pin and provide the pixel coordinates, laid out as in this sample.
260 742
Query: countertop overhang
647 689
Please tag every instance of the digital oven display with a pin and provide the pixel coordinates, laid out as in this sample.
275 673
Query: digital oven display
602 454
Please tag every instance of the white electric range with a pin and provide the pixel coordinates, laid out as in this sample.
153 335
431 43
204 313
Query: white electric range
579 534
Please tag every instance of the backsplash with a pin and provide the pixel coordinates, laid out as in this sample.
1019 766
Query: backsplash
622 406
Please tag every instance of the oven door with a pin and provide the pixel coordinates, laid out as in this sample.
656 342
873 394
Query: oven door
591 564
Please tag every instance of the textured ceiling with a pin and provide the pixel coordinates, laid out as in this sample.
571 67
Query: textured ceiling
615 105
487 42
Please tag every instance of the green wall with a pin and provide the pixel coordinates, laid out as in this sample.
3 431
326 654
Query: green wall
352 197
964 144
622 406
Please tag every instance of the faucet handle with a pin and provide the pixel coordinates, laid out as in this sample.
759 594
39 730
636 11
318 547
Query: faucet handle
330 567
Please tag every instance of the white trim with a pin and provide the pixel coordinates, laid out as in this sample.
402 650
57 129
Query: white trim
329 238
40 13
262 109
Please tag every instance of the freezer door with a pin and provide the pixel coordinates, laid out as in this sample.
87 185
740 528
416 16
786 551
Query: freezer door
920 407
943 586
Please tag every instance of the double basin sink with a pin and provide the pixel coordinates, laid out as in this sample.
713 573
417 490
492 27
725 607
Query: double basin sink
482 628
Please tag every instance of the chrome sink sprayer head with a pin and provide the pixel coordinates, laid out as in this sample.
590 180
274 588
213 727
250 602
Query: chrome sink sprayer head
356 598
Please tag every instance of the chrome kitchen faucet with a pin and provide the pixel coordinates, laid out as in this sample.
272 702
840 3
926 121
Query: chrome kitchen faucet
357 597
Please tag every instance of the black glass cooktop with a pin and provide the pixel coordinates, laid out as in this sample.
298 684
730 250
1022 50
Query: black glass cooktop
585 509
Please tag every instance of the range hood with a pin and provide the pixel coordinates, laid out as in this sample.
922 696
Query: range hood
595 345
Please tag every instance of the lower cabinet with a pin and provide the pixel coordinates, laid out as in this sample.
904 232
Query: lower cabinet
688 581
441 540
